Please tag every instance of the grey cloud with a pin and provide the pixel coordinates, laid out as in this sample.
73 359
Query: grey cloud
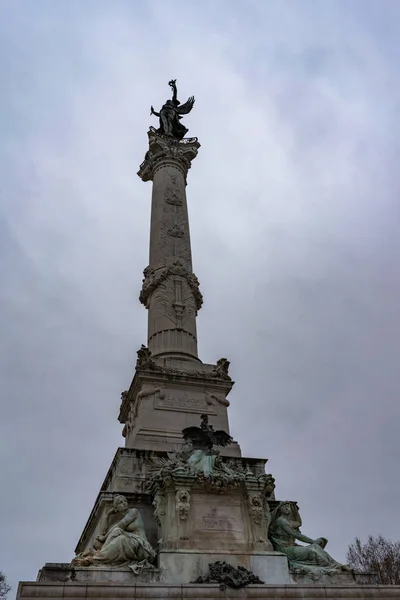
293 202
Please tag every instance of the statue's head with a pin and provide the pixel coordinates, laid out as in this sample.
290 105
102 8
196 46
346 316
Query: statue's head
285 508
120 503
187 446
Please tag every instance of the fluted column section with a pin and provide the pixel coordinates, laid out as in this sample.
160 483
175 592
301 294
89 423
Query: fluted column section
170 289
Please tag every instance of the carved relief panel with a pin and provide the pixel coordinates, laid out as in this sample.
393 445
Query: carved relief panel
174 228
172 305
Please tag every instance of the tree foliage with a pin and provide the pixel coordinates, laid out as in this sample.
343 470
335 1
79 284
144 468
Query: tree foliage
377 555
4 587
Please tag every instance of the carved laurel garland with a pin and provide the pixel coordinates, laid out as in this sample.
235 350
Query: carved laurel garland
152 280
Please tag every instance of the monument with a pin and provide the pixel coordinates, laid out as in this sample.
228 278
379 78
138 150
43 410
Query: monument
181 513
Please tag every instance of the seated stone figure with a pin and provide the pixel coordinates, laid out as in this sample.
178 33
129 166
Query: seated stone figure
123 543
284 530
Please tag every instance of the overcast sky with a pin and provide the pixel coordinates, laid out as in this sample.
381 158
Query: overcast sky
294 212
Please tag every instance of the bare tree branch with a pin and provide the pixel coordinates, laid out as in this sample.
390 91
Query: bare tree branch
4 587
377 555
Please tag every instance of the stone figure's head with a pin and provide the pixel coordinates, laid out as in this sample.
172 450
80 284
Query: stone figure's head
285 509
187 447
120 503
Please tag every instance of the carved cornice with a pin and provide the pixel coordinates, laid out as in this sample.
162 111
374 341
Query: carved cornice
145 362
164 149
152 280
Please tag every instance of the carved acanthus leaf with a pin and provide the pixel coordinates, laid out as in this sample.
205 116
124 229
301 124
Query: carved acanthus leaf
162 148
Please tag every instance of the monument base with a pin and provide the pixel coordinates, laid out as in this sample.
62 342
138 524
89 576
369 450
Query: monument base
186 566
114 591
65 573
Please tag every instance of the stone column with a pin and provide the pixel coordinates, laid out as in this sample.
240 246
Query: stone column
170 290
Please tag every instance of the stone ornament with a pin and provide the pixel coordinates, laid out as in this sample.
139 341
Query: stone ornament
226 575
160 508
256 508
145 362
182 506
123 544
146 392
152 280
167 150
312 559
199 459
210 397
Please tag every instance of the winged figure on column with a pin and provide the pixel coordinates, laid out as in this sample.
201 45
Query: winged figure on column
171 114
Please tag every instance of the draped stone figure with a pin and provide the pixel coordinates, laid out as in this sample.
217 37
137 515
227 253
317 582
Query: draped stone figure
123 543
312 559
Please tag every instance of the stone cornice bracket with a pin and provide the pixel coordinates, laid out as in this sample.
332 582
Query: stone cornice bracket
165 150
152 280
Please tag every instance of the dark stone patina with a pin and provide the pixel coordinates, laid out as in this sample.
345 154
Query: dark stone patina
171 114
226 575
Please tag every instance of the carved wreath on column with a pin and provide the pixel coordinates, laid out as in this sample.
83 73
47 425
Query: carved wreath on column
152 280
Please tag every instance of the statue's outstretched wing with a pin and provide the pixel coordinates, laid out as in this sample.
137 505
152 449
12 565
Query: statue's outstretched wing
195 434
221 438
184 109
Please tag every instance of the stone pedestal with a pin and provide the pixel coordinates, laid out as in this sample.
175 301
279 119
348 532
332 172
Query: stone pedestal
167 395
114 591
187 565
226 512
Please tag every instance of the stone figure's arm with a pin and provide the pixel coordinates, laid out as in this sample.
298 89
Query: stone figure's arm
172 83
128 519
287 528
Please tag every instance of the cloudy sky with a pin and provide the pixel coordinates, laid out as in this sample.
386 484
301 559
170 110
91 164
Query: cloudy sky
295 212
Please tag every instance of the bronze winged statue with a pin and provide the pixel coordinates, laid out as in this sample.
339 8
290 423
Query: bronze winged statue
205 436
171 114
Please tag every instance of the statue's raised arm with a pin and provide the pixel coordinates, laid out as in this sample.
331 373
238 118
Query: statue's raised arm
172 83
170 114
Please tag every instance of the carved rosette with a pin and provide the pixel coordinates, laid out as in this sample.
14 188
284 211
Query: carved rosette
166 150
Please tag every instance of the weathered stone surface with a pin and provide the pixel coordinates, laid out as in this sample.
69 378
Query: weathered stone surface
129 474
198 515
122 541
64 572
187 566
161 403
170 290
114 591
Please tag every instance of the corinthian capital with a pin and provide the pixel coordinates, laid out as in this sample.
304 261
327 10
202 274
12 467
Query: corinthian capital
165 150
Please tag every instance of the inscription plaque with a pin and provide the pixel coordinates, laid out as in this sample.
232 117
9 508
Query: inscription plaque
219 520
183 402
